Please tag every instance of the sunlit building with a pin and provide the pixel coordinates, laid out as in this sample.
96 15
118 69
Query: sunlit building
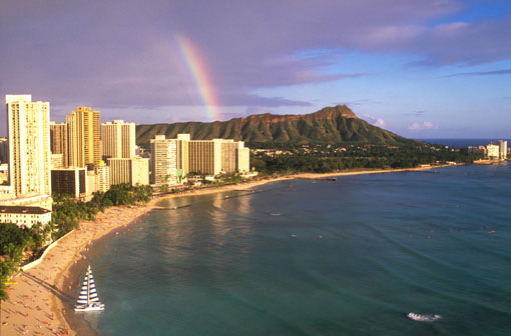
59 141
29 150
173 159
133 171
84 144
168 158
118 139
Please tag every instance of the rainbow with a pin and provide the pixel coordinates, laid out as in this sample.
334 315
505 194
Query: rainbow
200 75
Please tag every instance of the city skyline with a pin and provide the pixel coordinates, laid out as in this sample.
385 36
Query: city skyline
433 69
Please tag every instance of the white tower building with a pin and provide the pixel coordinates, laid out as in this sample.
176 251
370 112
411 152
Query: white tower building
29 146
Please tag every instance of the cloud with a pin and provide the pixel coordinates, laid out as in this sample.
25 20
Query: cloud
125 53
482 73
421 126
374 120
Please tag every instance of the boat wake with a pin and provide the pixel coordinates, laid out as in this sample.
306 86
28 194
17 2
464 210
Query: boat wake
424 317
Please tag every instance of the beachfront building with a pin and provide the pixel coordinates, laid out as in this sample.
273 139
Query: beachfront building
492 151
169 160
70 181
59 142
24 216
118 139
28 128
173 159
218 156
83 132
134 170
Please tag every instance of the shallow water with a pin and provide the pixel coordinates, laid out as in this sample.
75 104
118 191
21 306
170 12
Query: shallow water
352 257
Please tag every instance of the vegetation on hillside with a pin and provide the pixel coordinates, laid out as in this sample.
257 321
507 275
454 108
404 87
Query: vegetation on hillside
331 125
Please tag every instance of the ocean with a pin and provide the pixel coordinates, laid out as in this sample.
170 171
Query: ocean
461 143
304 257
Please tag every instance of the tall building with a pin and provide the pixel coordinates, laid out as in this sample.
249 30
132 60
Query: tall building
102 177
84 137
118 139
134 170
59 141
243 154
28 125
166 161
502 149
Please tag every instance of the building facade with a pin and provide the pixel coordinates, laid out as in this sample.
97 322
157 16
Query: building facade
26 216
84 143
173 159
118 139
134 171
102 177
166 155
493 151
502 149
29 146
69 181
59 141
4 150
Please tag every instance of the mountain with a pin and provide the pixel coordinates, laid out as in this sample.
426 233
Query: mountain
336 124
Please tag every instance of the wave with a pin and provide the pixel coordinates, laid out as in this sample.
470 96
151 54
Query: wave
424 317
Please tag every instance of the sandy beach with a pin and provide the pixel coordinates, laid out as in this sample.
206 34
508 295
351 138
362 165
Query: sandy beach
42 300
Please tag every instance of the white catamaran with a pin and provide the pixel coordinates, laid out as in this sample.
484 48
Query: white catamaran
88 299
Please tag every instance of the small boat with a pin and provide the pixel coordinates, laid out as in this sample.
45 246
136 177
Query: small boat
88 299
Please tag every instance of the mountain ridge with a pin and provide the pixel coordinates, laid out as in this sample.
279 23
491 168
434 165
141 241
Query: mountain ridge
334 124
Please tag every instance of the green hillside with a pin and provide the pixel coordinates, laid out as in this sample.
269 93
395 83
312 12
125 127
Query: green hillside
330 125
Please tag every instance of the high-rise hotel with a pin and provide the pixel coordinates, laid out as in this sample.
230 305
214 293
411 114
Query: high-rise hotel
118 139
28 190
28 125
84 144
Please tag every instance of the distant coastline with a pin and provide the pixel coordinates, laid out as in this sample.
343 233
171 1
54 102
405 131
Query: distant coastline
56 277
461 142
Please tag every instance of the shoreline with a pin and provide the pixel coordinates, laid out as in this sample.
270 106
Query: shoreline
42 301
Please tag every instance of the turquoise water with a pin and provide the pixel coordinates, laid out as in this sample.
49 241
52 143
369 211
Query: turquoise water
351 257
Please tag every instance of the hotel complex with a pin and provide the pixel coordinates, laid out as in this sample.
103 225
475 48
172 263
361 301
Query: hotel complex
82 156
173 159
496 150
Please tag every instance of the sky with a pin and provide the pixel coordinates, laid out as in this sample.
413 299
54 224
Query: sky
422 69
